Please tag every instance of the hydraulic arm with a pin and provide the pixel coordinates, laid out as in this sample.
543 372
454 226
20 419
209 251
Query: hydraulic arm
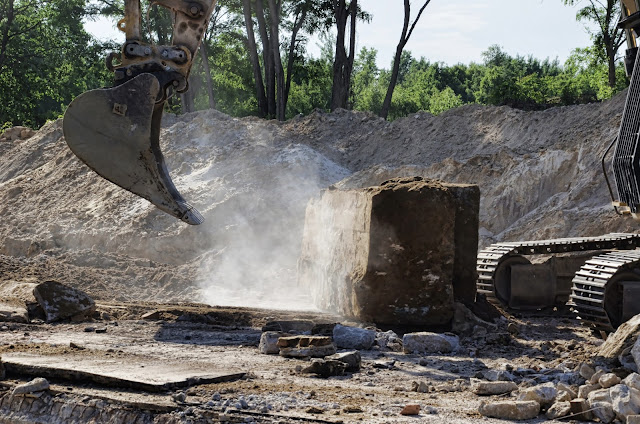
116 131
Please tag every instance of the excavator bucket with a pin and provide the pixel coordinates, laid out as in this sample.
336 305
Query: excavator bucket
116 132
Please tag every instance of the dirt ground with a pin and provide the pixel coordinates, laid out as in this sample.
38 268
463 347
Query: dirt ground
227 338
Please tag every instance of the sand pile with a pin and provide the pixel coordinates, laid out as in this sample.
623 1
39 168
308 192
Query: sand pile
538 172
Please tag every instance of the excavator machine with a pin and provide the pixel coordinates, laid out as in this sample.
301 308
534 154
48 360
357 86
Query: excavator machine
116 131
598 277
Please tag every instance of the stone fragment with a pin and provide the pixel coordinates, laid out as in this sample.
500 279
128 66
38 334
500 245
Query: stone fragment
563 396
568 389
410 409
498 375
580 409
632 380
36 385
269 342
633 419
13 313
325 367
61 302
585 389
389 341
425 342
484 388
559 410
635 352
306 346
625 401
513 329
603 411
595 378
544 394
465 321
360 246
600 395
152 315
627 361
609 380
586 371
352 359
347 337
624 337
510 410
421 387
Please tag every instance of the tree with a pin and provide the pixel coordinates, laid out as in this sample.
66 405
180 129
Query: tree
343 61
404 38
607 37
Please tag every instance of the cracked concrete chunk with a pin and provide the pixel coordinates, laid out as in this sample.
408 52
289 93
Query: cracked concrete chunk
352 359
269 342
61 302
558 410
511 410
347 337
487 388
306 346
425 342
325 367
544 394
393 254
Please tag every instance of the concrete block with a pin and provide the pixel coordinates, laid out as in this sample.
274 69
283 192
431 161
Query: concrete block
397 254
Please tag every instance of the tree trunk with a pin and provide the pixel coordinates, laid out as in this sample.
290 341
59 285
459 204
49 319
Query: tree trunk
267 57
255 62
343 63
274 13
404 38
386 105
207 75
297 25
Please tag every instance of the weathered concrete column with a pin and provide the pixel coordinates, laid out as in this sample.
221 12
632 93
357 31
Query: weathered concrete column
394 254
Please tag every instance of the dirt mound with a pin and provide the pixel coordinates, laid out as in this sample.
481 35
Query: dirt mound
538 172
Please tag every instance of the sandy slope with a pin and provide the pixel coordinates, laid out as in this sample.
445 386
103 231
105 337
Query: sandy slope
539 174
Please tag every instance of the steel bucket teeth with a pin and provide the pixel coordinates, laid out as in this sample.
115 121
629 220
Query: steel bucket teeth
116 132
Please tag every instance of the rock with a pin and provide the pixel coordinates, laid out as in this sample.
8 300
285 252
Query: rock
3 372
510 410
352 359
564 396
421 387
61 302
586 371
635 351
483 388
152 315
585 389
325 367
360 246
13 313
35 385
544 394
389 341
306 346
513 329
16 301
567 389
601 395
498 375
625 401
595 378
624 337
633 419
609 380
410 409
346 337
426 342
269 342
632 380
580 409
559 410
627 360
603 411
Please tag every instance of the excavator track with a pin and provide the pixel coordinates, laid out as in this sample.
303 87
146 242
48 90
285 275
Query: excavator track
595 289
589 284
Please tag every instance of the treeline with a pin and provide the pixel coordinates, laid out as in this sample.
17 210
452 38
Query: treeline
258 64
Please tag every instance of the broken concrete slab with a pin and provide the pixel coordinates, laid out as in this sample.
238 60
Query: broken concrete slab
325 367
296 326
360 248
306 346
510 410
352 358
36 385
269 342
61 302
16 299
624 337
489 388
129 372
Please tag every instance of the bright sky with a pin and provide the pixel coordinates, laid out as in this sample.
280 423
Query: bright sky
458 31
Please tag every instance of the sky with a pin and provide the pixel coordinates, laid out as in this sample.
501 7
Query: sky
457 31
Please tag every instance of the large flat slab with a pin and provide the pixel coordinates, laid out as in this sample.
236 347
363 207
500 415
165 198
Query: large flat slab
128 372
